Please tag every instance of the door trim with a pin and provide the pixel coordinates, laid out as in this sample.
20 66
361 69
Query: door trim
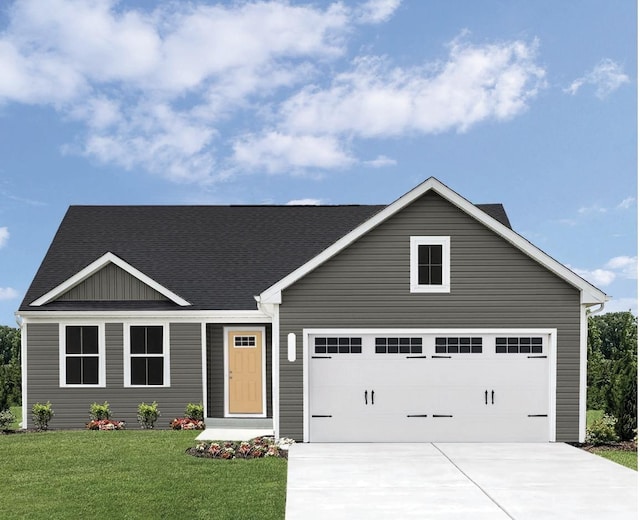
226 331
552 334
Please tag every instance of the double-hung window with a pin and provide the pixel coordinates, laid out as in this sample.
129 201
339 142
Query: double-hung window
146 356
82 356
430 259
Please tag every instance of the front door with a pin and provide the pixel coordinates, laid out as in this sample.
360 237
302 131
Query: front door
244 372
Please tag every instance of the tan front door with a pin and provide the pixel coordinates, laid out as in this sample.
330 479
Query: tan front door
245 372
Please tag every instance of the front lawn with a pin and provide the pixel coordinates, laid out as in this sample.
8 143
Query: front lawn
132 474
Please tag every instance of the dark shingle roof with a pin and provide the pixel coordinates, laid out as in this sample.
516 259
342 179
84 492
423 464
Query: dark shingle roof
216 257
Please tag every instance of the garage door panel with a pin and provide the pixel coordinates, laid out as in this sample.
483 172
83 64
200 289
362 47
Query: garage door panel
379 396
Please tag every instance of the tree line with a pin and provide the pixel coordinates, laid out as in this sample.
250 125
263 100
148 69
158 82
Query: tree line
612 369
10 369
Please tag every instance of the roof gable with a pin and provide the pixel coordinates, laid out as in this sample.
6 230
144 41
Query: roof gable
101 263
589 293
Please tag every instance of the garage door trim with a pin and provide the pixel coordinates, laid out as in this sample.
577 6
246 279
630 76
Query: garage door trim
552 357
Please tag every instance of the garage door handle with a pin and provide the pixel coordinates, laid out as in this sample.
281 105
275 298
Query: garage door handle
492 392
372 393
538 415
443 415
486 397
365 397
418 415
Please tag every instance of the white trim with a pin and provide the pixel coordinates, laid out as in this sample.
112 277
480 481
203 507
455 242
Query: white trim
23 357
226 332
275 370
203 360
166 353
552 334
582 398
94 267
415 286
102 358
174 316
588 293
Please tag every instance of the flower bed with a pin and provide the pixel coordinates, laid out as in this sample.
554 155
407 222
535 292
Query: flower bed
254 449
105 425
186 423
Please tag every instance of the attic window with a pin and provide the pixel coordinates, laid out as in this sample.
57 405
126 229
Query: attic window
430 264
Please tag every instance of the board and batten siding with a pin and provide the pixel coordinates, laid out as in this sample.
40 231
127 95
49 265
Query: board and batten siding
71 405
112 283
493 285
215 367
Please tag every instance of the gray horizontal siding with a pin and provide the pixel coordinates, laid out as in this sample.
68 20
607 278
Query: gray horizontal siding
71 405
112 283
493 285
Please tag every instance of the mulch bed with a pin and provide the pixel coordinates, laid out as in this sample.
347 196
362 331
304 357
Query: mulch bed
612 446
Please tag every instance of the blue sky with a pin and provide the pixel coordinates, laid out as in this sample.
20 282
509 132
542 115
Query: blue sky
532 104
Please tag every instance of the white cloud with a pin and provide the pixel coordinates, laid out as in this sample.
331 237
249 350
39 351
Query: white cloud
617 267
626 203
598 277
381 161
627 266
376 11
157 89
276 152
606 77
4 236
304 202
7 293
594 208
374 99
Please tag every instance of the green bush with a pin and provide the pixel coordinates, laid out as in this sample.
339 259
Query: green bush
100 412
602 430
624 396
148 414
6 418
194 411
42 414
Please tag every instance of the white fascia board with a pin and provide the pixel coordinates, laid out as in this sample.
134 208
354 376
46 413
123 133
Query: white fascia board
588 293
94 267
207 316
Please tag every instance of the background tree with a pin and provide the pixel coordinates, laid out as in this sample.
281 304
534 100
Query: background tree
10 368
612 369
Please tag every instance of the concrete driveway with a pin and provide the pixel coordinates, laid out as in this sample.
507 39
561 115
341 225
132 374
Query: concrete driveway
456 481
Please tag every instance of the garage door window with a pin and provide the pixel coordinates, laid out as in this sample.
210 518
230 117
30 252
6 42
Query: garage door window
398 345
338 345
458 345
528 345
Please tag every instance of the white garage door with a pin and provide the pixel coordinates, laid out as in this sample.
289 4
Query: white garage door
428 387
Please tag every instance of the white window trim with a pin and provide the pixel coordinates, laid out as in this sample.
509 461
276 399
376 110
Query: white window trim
165 353
102 361
443 241
263 344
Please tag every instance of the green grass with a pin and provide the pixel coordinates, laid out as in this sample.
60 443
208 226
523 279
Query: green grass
626 458
17 412
594 415
133 474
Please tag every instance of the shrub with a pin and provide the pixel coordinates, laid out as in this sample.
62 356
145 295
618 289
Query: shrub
254 449
6 418
42 414
194 411
602 431
100 412
148 414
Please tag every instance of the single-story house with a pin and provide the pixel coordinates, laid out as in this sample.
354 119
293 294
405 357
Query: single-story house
429 319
